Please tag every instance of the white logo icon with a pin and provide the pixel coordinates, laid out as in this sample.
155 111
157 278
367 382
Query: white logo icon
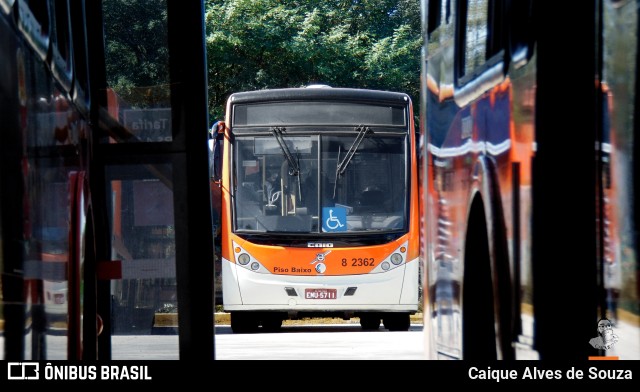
333 222
23 371
320 257
320 268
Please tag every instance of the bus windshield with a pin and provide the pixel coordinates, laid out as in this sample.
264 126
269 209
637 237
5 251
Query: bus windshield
300 182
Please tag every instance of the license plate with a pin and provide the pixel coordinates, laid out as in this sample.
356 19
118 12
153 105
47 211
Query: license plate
320 293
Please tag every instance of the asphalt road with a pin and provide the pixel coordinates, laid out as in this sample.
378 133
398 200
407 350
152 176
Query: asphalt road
292 342
299 342
321 342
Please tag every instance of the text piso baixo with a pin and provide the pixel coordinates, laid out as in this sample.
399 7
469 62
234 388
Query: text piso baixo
533 373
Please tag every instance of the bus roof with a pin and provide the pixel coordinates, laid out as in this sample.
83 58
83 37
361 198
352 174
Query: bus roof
330 93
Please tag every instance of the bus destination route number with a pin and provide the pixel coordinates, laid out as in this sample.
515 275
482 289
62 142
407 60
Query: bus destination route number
320 294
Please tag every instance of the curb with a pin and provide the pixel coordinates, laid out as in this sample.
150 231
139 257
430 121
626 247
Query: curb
221 318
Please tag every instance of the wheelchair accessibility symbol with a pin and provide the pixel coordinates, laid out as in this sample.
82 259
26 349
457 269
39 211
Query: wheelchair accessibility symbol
334 219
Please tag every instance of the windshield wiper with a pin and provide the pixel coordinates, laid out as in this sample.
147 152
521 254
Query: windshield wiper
294 169
362 132
342 166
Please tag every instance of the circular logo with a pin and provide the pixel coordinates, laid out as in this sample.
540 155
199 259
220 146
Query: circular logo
320 268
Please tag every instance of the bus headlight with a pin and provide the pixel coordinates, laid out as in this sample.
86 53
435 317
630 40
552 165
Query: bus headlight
255 266
396 259
244 259
385 265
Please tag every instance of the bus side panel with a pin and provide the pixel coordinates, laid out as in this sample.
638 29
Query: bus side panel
410 287
230 289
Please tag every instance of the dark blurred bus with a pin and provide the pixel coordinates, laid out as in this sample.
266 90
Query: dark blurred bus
529 175
104 176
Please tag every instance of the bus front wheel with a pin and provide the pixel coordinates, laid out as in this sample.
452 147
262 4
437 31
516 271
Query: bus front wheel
370 322
243 322
397 321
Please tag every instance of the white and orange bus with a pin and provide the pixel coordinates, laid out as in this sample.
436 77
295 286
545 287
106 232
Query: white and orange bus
319 207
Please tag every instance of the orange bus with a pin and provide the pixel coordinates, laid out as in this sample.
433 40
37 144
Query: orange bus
319 207
528 157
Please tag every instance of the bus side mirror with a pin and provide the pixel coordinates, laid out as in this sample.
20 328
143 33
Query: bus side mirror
216 137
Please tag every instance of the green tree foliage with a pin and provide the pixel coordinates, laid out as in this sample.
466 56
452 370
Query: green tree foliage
258 44
137 60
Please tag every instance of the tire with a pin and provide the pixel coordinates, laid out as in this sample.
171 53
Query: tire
244 322
271 323
397 321
486 331
478 331
370 322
